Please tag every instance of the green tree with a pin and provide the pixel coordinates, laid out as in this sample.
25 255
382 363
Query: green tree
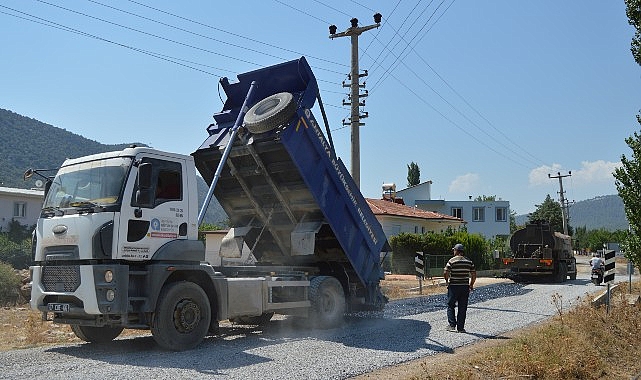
628 183
413 174
633 11
485 198
513 225
550 211
628 175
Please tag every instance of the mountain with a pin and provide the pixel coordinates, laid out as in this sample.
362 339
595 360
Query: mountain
28 143
605 212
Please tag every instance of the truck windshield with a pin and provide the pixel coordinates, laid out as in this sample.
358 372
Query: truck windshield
88 185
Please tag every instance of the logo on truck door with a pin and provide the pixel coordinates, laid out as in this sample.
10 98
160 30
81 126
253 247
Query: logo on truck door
163 228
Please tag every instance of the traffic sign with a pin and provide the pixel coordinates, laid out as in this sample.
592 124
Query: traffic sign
419 263
609 266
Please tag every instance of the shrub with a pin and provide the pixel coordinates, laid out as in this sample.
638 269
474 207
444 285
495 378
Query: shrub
9 285
17 254
405 246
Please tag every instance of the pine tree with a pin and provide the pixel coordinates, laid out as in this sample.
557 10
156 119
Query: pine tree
413 174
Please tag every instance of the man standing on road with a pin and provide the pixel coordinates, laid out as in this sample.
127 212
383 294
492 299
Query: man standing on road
460 275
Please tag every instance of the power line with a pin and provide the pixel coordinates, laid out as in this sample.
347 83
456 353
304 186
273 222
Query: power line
536 161
236 34
303 12
151 34
51 24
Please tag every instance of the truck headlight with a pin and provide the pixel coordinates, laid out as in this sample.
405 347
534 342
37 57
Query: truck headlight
109 276
110 295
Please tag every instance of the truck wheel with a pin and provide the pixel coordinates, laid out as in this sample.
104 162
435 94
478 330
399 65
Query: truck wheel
253 320
94 334
182 317
328 302
270 112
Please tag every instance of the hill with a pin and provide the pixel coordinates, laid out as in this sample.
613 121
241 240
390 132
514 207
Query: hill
29 143
605 212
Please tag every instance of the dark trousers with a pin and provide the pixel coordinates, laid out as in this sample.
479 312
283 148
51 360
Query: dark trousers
457 294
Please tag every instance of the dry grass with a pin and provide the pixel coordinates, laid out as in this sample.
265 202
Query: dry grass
582 343
404 286
22 328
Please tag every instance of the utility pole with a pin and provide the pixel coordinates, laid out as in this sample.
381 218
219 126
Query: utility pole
354 98
564 205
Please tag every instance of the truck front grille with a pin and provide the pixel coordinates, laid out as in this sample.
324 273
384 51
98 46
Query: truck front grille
64 278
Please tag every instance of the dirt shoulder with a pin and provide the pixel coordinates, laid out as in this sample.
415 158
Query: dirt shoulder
441 363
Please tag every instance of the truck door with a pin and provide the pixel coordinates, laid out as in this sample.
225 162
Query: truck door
144 228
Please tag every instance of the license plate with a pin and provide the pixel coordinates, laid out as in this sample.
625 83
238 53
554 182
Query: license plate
595 276
58 307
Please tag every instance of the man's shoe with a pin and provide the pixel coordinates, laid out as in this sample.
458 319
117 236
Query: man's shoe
451 328
461 331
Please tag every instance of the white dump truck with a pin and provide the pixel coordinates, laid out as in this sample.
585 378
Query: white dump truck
116 245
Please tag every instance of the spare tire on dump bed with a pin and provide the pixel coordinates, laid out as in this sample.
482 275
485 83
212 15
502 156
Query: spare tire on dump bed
270 112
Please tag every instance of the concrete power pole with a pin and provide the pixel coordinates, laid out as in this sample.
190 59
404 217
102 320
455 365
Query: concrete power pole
564 204
354 99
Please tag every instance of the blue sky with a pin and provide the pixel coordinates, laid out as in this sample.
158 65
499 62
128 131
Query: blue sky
487 97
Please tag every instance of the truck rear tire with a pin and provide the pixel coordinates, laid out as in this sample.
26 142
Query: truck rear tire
182 317
270 112
328 302
94 334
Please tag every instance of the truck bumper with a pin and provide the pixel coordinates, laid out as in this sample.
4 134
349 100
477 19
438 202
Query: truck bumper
79 290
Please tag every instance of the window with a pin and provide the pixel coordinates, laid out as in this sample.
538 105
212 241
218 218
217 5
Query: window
19 209
478 214
501 214
457 212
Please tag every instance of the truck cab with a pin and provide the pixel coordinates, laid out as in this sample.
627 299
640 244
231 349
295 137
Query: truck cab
101 211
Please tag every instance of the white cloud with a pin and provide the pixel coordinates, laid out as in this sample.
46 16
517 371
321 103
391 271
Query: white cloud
539 176
595 172
590 173
464 184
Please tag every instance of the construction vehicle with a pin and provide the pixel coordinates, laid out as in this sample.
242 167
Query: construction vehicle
116 245
539 252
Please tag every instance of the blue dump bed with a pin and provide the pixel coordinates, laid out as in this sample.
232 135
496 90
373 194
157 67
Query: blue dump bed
287 194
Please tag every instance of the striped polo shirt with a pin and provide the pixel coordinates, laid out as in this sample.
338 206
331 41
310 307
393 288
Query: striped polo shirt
460 268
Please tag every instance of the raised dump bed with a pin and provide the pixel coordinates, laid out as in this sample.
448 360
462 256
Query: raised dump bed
289 198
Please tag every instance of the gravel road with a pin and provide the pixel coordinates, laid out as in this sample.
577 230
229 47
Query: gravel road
407 330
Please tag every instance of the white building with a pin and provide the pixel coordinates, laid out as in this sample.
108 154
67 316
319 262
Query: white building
489 218
20 205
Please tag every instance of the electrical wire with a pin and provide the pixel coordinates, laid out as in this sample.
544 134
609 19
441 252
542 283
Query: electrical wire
51 24
236 34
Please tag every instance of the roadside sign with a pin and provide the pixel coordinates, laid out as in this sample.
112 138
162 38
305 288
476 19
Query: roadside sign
609 266
419 263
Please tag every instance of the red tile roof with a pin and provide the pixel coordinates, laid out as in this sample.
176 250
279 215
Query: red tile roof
383 207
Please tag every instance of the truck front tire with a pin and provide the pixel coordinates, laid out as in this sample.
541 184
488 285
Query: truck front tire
328 302
270 112
94 334
182 317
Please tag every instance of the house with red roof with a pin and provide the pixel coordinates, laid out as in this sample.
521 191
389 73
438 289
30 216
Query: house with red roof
396 218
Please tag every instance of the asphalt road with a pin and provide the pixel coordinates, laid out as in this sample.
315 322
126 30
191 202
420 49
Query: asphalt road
407 330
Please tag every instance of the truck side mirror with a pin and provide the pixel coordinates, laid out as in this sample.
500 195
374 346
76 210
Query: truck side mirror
143 195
